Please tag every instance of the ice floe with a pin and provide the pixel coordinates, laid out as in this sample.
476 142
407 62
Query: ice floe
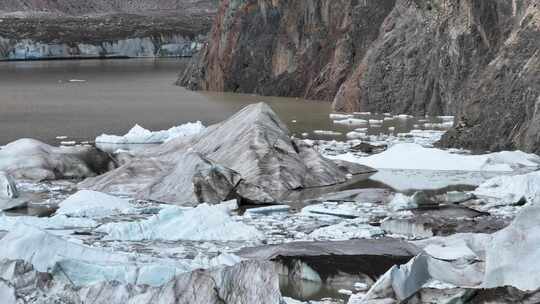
87 203
346 230
406 156
340 116
351 122
140 135
7 223
203 223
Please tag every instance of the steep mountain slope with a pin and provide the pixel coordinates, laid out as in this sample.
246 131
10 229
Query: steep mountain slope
475 59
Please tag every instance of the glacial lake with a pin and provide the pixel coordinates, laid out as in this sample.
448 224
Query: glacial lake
81 99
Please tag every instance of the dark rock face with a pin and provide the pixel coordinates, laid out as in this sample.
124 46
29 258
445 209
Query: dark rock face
290 48
478 60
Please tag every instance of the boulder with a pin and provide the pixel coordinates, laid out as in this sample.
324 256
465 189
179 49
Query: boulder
34 160
250 157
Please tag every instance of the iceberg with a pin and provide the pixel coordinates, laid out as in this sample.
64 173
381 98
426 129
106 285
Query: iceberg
203 223
250 156
33 160
87 203
83 265
408 156
508 257
511 189
140 135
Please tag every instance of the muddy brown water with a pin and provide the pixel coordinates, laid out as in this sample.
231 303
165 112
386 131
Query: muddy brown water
38 100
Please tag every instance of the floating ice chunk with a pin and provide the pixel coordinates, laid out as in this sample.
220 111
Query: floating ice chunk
442 125
511 189
7 223
356 135
269 209
361 286
340 116
415 157
391 129
346 230
446 118
68 143
292 301
351 122
345 292
402 202
61 137
375 122
362 113
203 223
86 203
140 135
77 80
388 118
325 132
403 116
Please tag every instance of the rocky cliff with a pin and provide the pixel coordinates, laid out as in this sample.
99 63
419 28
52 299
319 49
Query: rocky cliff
476 59
98 28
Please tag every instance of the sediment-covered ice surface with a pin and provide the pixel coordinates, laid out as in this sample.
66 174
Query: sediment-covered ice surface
250 156
140 135
35 160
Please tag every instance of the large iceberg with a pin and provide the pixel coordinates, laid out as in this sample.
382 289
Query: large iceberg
203 223
86 203
251 152
140 135
34 160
